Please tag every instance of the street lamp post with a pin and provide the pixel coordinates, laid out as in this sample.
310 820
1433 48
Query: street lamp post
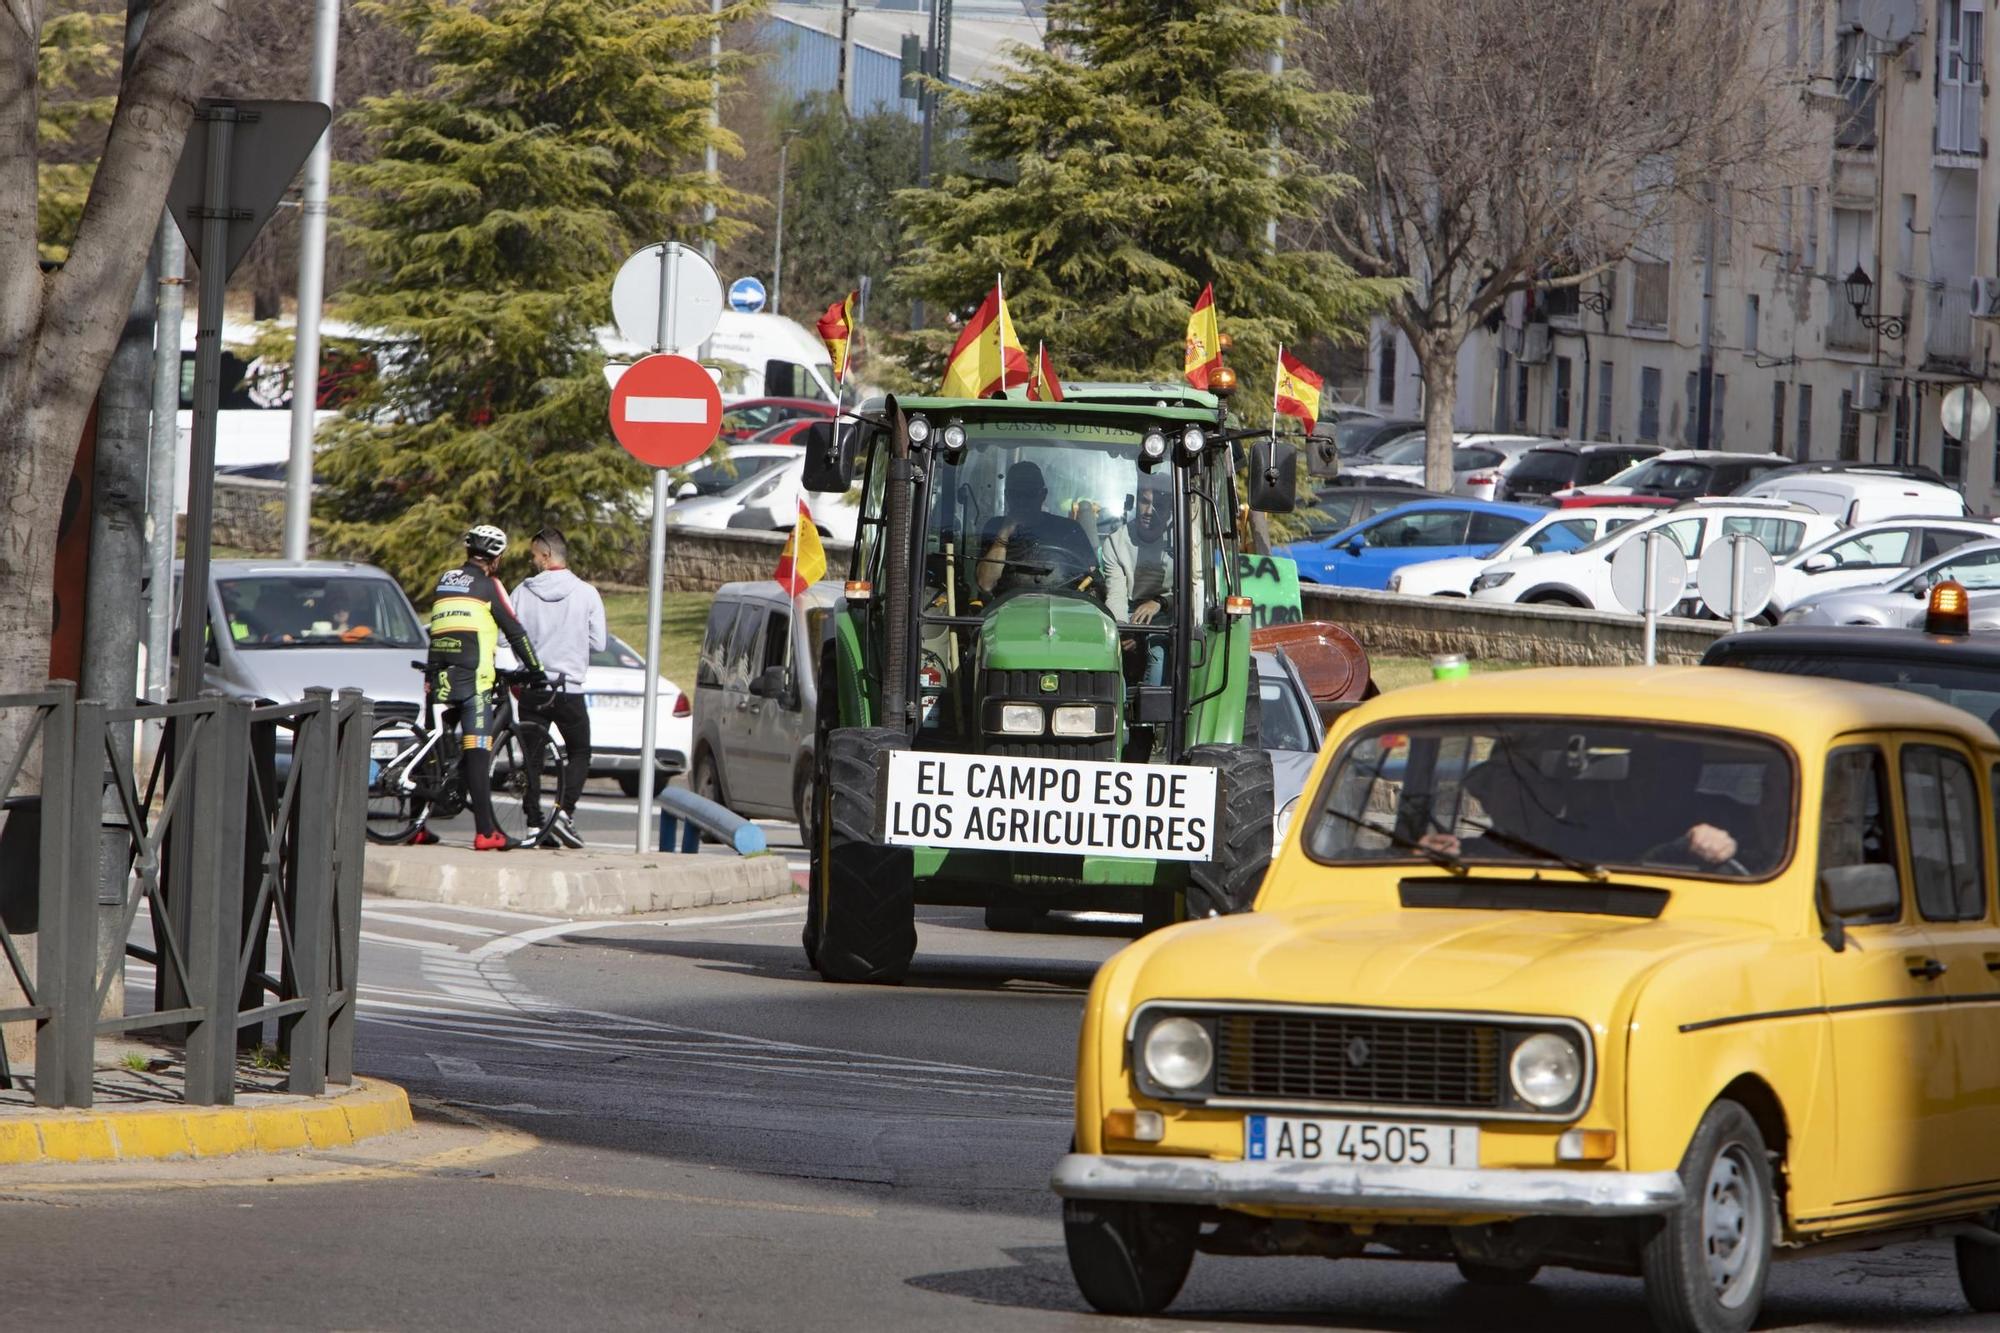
1860 291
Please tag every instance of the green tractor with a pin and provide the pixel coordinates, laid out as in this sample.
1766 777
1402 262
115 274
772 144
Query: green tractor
1038 692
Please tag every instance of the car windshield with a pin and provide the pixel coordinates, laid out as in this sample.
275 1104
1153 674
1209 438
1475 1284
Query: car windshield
1976 567
1357 433
1671 478
1584 792
1400 454
1973 688
715 477
1542 465
617 653
298 611
1281 722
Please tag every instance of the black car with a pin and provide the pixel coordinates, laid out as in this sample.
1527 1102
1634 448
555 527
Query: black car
1959 669
1548 468
1364 435
1337 507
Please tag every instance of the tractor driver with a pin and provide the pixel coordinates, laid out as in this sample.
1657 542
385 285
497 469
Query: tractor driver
1025 546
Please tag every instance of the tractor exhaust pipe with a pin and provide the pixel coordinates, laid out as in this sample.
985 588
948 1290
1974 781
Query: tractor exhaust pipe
896 600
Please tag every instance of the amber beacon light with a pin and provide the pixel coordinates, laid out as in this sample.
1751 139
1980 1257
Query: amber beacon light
1949 612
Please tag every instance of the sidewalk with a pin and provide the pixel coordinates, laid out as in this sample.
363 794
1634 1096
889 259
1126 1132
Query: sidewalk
138 1114
574 883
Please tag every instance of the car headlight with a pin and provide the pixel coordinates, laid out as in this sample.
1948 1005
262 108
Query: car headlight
1283 824
1795 615
1396 582
1546 1070
1074 720
1021 719
1178 1053
1491 580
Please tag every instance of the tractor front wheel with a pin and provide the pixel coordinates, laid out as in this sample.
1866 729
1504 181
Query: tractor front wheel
1230 878
862 896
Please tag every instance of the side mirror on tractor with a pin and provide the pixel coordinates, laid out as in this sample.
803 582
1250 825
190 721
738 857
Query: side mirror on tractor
1274 477
829 457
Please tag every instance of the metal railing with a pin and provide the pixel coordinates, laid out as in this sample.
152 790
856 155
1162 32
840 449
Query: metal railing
1948 322
219 850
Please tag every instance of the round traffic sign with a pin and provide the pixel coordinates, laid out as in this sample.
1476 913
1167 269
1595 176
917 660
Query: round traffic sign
1718 567
666 410
746 296
667 274
1628 573
1965 414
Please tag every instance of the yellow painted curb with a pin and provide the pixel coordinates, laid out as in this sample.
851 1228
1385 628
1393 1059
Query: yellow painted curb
372 1108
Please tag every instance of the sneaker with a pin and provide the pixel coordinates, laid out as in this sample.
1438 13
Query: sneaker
423 837
563 829
495 841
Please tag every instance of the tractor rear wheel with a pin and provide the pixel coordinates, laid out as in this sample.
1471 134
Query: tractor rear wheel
865 900
1230 878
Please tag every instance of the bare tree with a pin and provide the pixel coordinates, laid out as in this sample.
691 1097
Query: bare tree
58 329
1510 145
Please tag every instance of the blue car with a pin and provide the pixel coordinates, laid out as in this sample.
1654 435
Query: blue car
1366 554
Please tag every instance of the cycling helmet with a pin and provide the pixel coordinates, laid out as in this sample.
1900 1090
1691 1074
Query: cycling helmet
486 542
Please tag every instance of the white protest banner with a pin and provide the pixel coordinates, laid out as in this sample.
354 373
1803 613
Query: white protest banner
1160 812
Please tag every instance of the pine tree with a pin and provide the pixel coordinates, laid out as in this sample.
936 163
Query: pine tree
77 65
1126 166
841 168
552 139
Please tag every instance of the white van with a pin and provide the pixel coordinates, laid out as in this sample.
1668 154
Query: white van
1861 495
761 356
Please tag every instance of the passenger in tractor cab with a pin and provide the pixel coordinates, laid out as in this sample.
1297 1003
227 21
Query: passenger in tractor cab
1138 565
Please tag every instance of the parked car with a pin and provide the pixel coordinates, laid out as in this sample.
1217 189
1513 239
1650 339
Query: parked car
1556 530
1583 578
784 432
1359 435
1960 669
1342 506
1366 554
756 698
1679 474
1872 553
768 501
1675 980
1288 725
738 463
1902 602
1855 495
741 420
1547 468
1477 462
614 696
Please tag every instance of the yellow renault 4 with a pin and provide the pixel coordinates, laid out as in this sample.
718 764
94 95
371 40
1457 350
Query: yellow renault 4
1638 971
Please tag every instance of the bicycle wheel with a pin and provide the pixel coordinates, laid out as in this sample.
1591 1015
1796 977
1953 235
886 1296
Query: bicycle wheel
395 779
510 778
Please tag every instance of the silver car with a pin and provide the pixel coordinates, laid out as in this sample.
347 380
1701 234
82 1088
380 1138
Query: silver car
1902 602
1288 725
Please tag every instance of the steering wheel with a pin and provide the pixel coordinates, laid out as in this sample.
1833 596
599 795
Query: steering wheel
1689 859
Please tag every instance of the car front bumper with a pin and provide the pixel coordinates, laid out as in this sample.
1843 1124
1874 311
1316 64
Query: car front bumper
1400 1190
604 762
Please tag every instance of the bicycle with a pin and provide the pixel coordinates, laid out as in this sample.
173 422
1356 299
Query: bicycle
413 771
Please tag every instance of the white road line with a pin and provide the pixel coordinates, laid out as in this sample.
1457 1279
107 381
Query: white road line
501 912
502 947
376 937
429 923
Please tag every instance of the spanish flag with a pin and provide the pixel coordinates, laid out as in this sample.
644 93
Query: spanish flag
1043 386
987 358
1298 390
803 561
1204 340
836 330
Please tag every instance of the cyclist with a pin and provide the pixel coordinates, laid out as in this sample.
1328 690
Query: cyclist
469 613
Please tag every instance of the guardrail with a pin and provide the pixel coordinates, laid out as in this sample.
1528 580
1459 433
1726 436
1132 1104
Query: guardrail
220 851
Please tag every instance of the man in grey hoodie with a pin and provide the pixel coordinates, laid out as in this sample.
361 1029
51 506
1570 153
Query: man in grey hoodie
564 616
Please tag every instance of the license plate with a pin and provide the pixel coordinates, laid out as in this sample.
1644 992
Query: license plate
615 701
384 749
1275 1138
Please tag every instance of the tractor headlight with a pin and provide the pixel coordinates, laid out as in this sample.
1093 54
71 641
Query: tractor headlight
953 436
1021 719
1545 1070
1074 720
920 429
1193 442
1178 1053
1153 447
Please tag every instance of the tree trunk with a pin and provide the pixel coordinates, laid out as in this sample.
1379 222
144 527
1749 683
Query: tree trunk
1438 364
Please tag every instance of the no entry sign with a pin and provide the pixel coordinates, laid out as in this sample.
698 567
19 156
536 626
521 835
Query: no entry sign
666 410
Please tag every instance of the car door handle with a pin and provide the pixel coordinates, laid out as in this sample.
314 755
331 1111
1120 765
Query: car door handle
1930 969
1993 962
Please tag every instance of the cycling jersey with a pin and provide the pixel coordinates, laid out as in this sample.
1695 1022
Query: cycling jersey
469 613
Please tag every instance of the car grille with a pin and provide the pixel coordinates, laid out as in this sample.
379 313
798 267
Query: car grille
1357 1059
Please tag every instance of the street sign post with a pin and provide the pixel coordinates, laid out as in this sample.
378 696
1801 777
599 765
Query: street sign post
1735 578
667 296
1647 577
746 296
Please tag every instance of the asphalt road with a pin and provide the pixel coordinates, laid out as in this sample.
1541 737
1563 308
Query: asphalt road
675 1125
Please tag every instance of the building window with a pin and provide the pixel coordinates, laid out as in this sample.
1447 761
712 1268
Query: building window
1562 392
1718 388
1899 430
1604 400
1850 428
1812 228
1816 37
1649 403
1385 369
1778 417
1691 434
1805 422
1854 68
1650 281
1500 383
1951 461
1520 396
1751 306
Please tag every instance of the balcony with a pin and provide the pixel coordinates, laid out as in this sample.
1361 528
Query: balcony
1948 323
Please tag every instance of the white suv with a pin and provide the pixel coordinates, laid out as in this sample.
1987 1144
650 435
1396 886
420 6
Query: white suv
1859 495
1583 578
1873 553
1559 530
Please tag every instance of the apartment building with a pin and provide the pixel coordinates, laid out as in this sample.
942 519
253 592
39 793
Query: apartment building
1901 192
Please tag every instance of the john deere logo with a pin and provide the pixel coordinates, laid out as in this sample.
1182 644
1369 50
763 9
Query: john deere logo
1051 682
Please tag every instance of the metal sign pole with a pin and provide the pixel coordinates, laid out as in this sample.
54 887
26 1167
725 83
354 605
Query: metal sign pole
1651 600
1737 554
656 563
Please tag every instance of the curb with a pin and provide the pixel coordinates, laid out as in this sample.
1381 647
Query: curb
372 1109
574 884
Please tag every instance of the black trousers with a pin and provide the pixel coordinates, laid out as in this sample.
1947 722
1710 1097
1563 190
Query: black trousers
564 710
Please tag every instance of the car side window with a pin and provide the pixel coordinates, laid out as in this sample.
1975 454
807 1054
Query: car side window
1939 540
1472 457
743 644
1597 467
1947 849
1980 569
1434 527
1888 549
1686 533
777 643
1567 535
1492 529
1854 828
715 643
1779 536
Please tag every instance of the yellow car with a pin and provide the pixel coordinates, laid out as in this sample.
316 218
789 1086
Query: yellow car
1652 971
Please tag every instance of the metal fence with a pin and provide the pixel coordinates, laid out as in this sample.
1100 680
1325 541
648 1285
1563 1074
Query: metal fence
220 850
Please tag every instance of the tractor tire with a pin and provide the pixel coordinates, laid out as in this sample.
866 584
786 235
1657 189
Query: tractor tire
865 900
1228 881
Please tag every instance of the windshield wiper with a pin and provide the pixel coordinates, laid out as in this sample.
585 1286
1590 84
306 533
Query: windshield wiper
1516 843
1435 855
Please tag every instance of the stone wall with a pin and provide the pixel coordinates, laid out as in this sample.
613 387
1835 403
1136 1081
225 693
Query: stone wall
1395 625
249 514
699 561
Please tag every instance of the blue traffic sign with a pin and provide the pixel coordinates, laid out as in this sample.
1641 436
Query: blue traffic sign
746 296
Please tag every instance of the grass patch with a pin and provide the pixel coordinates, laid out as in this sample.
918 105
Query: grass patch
136 1062
1393 673
683 617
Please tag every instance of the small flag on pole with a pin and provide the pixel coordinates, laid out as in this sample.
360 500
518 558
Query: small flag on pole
836 330
987 358
1043 386
1298 390
803 561
1204 340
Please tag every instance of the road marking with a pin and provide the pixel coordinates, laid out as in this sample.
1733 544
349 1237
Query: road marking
376 937
429 923
500 948
674 1196
501 912
456 1066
